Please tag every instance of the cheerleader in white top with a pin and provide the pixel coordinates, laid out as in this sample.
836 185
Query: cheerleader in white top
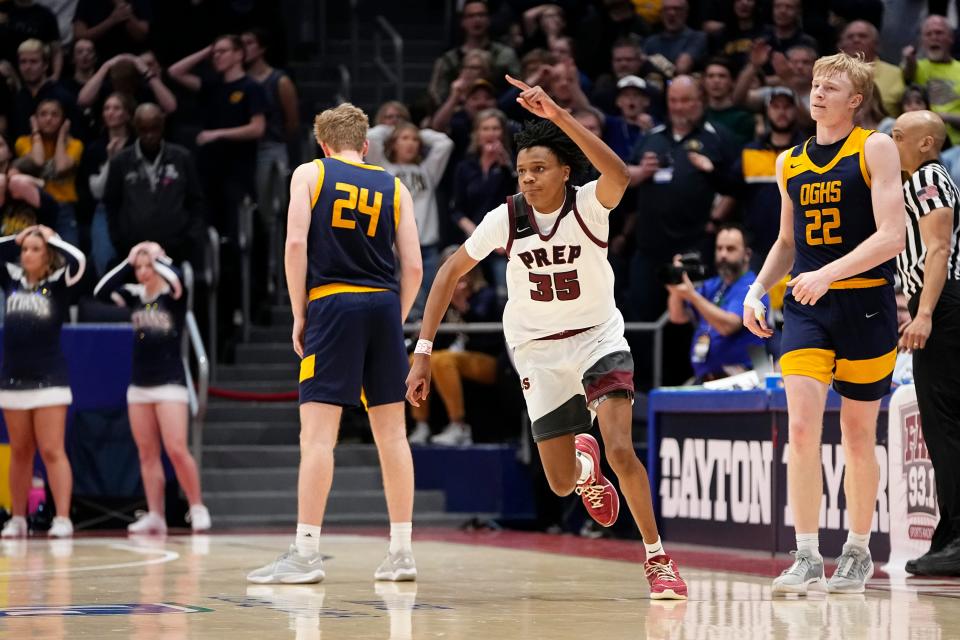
150 286
561 322
37 269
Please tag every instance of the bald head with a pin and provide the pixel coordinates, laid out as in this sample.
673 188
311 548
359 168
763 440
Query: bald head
148 121
860 37
919 136
684 103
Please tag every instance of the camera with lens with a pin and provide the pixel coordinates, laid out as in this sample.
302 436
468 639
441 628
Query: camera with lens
691 263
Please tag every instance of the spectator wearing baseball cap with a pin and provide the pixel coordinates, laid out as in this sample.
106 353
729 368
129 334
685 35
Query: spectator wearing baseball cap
622 132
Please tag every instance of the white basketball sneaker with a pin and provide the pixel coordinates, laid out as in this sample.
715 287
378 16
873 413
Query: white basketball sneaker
454 435
199 518
149 523
60 528
16 527
397 567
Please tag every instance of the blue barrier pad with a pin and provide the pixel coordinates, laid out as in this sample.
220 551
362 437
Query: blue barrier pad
99 357
681 399
482 478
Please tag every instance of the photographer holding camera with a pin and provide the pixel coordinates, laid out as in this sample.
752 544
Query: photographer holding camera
720 342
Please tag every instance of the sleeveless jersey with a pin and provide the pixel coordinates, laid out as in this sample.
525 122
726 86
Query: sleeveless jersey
832 208
353 228
559 281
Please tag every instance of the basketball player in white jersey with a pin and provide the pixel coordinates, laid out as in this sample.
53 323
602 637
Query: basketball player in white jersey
561 322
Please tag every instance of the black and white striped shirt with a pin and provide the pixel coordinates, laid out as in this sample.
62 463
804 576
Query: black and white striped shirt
929 188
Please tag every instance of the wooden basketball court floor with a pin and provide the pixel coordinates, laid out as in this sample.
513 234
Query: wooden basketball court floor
496 586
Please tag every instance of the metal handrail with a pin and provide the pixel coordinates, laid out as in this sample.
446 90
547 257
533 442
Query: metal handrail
193 344
212 276
393 75
656 328
245 243
346 84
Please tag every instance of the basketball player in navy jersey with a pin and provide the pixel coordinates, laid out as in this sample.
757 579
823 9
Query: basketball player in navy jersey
344 221
841 226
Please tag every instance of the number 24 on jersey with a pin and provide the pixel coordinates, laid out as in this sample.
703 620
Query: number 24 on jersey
358 200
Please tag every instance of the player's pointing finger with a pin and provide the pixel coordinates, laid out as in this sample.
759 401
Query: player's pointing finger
519 84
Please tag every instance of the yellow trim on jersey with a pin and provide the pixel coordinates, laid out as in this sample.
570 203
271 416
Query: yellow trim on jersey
866 371
858 283
316 193
362 165
812 363
795 165
864 171
307 367
396 203
340 287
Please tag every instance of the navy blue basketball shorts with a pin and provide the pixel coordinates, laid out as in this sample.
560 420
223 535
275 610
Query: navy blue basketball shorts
353 344
848 337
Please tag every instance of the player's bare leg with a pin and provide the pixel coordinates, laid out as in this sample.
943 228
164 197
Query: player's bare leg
615 415
805 402
858 426
388 424
319 426
303 563
560 463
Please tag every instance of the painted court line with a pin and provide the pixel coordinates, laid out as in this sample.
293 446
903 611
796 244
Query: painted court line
165 556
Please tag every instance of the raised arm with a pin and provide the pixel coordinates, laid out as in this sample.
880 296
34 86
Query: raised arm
107 290
76 261
441 146
886 193
614 177
180 70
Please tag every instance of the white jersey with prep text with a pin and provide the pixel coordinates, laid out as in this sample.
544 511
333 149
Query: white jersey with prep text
558 277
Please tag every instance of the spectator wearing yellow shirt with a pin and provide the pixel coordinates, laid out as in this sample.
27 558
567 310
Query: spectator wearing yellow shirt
56 156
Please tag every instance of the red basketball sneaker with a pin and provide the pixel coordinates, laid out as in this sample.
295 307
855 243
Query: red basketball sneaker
664 578
599 496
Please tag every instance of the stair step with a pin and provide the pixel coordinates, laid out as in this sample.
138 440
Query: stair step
272 412
266 352
279 332
251 433
286 385
343 502
259 456
361 478
229 373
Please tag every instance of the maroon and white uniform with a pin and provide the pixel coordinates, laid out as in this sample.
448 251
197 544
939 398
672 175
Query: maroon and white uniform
561 320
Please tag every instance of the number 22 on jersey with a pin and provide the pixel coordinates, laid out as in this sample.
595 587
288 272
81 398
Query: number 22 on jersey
357 200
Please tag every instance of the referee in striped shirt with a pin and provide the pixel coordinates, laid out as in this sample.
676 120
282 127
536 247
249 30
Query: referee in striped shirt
929 270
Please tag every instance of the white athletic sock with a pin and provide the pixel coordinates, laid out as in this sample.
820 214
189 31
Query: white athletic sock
860 540
422 425
586 467
308 539
654 549
809 541
400 533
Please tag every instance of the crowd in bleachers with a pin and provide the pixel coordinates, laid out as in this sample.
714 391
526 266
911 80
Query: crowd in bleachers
134 135
148 121
698 98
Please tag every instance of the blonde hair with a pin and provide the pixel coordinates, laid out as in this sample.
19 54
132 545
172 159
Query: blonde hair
858 71
32 45
343 128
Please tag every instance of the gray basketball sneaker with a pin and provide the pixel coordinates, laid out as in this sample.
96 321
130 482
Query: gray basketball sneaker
806 573
290 568
397 567
854 568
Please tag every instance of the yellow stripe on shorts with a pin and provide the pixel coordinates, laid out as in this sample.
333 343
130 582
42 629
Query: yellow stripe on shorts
306 367
813 363
866 371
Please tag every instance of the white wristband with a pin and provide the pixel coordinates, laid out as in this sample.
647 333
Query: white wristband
424 346
753 300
